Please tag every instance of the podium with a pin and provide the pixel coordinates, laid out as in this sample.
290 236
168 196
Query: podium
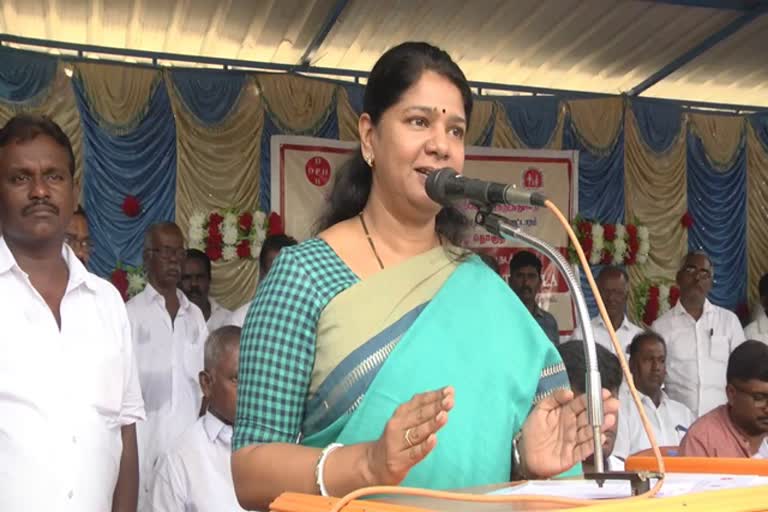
748 499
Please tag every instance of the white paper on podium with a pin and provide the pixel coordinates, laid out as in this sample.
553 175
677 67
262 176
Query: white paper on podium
675 484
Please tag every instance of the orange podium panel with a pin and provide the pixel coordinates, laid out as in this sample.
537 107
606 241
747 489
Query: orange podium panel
644 461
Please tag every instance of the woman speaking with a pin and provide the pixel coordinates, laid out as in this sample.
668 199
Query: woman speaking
382 353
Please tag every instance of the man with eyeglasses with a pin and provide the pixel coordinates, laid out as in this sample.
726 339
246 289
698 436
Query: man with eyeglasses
738 428
700 336
77 236
168 333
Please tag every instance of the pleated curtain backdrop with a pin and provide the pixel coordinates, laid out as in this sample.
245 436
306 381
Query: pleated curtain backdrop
185 141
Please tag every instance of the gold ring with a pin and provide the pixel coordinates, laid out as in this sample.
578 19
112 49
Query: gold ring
408 438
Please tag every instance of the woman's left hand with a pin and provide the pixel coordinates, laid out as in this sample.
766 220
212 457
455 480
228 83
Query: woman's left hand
557 434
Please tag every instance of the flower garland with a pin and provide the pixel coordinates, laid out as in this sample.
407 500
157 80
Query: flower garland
228 235
128 280
610 244
654 298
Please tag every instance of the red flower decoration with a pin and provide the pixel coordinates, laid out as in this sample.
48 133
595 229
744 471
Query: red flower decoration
586 246
213 252
653 294
245 221
215 220
632 232
634 246
131 206
674 296
609 232
119 278
607 258
275 225
585 228
630 258
651 312
686 220
243 249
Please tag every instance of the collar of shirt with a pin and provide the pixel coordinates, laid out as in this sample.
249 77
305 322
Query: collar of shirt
216 429
78 274
153 295
599 322
679 310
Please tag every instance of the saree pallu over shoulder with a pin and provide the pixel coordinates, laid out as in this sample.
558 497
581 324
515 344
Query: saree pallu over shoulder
358 330
476 336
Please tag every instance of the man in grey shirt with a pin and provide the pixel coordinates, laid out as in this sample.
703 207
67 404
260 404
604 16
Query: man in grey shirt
525 281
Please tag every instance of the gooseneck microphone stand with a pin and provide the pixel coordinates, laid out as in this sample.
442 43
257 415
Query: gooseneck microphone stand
501 227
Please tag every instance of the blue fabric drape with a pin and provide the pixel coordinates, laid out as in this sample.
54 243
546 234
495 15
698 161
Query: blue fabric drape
486 137
533 118
601 178
355 93
659 123
328 129
717 201
760 125
24 75
141 163
209 95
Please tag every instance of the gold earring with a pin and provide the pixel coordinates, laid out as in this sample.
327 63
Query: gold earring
369 160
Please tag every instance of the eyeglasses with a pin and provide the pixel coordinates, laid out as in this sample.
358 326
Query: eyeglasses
167 253
78 243
759 399
701 273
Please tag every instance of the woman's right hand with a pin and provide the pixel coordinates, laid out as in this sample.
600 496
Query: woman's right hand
409 436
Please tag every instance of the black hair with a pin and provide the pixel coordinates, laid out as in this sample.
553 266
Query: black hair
575 363
763 286
394 73
639 338
748 361
614 269
524 259
25 127
274 243
195 254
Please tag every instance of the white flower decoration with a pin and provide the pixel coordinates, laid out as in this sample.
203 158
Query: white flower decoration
197 244
642 258
644 247
595 256
642 233
229 253
136 283
229 235
197 220
196 235
597 231
230 219
259 218
621 231
255 248
619 249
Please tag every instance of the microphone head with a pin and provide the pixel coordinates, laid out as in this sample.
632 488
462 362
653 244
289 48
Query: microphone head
438 185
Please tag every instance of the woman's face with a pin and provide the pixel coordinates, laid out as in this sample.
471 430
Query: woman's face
421 133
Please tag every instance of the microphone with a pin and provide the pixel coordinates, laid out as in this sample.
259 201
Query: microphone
445 186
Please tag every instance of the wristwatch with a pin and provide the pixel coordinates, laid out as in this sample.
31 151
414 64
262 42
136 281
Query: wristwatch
518 473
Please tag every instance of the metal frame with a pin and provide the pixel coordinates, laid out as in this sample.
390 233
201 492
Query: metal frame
325 29
226 65
758 8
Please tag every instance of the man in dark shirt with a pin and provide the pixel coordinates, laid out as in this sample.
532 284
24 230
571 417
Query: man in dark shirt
525 280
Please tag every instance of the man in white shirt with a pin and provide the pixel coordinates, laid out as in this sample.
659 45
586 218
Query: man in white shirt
69 391
269 251
168 336
196 474
613 285
758 329
700 336
670 419
196 284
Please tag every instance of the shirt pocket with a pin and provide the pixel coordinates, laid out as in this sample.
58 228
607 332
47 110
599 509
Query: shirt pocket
719 348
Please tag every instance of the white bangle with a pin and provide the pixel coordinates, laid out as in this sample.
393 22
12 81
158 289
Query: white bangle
321 464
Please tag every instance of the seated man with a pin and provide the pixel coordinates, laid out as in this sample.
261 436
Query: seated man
670 419
738 428
525 281
196 284
758 330
269 251
575 363
195 474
